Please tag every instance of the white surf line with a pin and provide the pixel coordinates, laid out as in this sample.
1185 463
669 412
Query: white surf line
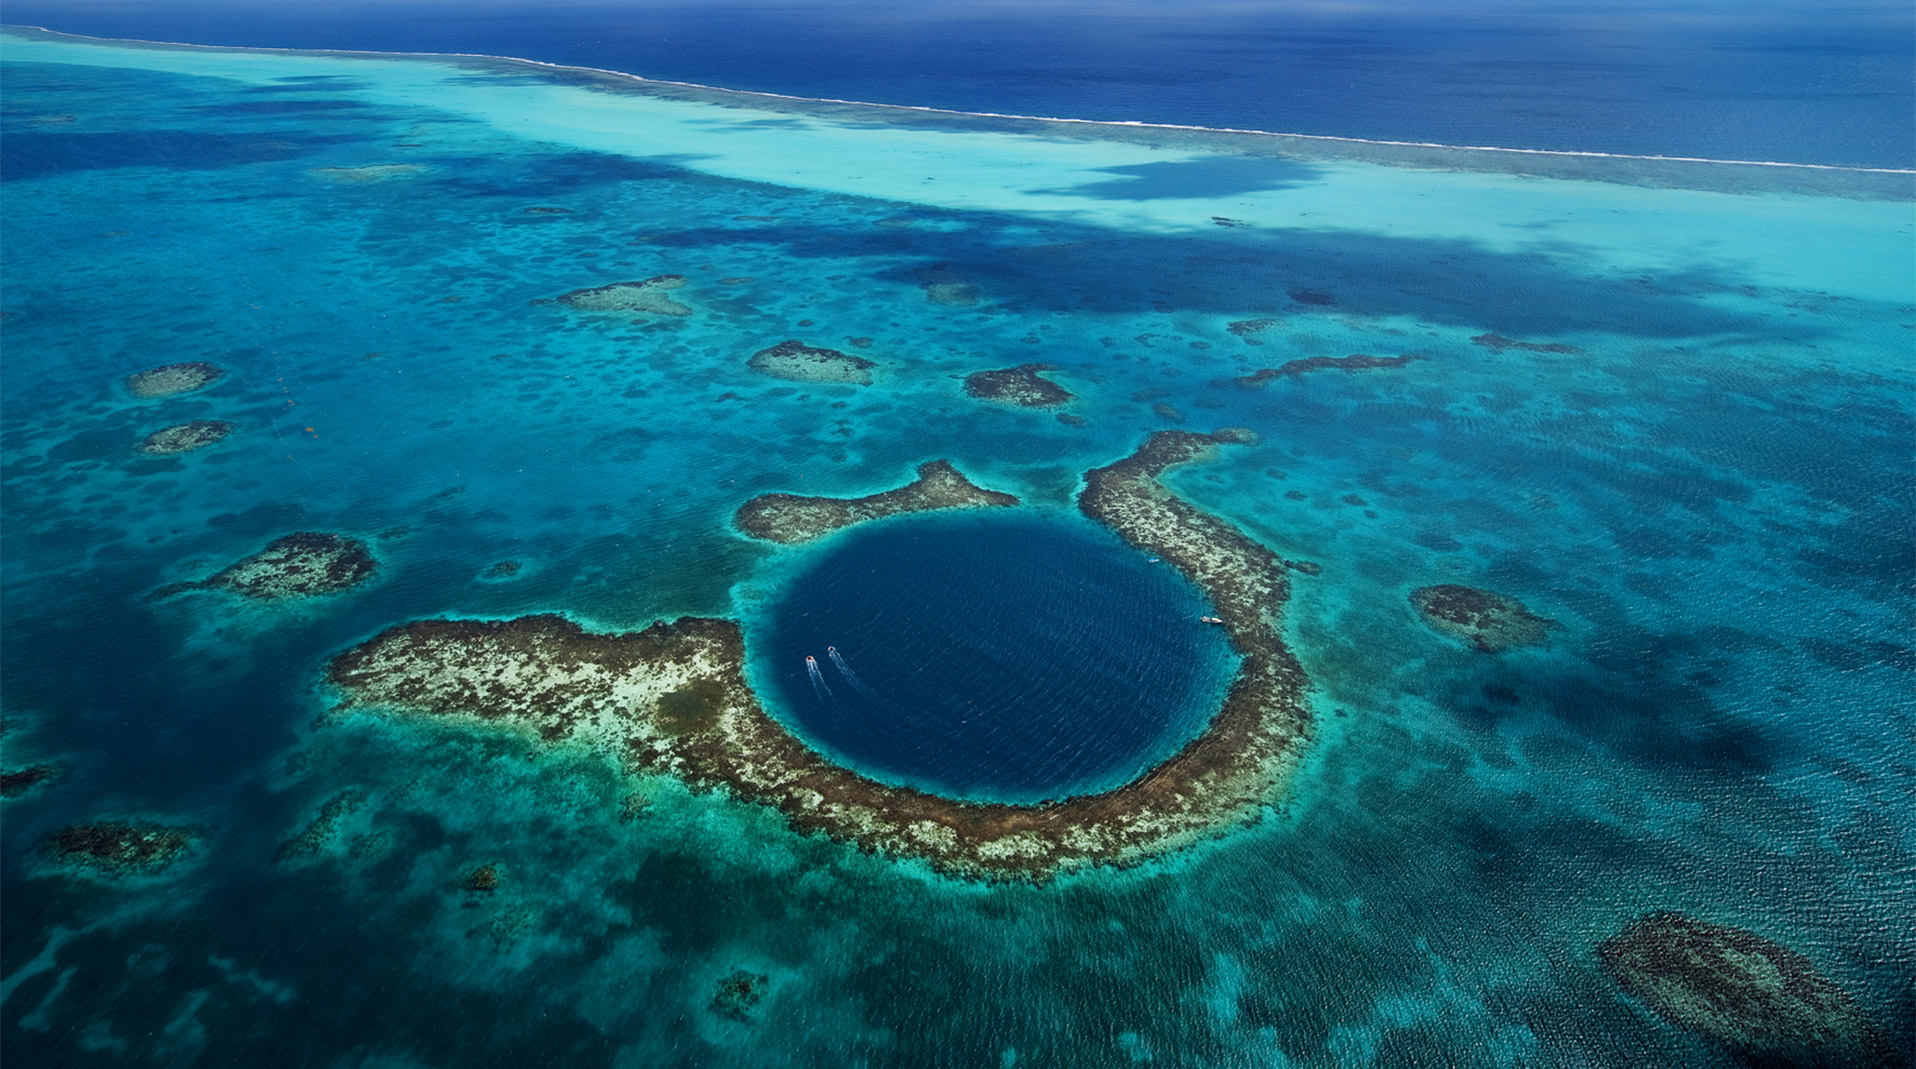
923 109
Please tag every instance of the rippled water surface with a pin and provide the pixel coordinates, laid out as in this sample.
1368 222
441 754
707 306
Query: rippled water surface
1667 407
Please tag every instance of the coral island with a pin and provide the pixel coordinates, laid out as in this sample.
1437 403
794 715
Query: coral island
1764 1002
738 992
121 848
15 782
644 297
1497 343
1295 368
302 564
799 362
673 698
170 379
1489 621
791 518
1021 385
186 437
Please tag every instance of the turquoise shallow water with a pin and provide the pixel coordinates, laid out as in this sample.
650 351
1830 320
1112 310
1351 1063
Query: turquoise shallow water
1707 483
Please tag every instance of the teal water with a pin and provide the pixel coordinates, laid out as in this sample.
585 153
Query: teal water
1711 492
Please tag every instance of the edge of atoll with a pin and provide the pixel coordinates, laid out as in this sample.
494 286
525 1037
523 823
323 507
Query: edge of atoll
793 518
673 698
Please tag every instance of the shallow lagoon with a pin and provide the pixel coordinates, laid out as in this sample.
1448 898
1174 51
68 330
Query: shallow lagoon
1699 467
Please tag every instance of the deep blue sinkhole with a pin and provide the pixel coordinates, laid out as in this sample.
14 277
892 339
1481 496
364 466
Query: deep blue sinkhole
992 657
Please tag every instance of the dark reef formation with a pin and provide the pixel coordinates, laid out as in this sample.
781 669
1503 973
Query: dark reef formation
798 362
1021 385
121 848
738 992
673 698
483 880
1296 368
170 379
15 782
1489 621
1497 343
499 571
790 518
944 286
186 437
302 564
644 297
323 827
1249 328
1312 297
1767 1004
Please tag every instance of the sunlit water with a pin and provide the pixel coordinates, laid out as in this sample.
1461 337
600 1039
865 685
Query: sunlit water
1700 468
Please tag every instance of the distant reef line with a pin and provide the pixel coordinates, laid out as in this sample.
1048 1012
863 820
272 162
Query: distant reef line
1673 172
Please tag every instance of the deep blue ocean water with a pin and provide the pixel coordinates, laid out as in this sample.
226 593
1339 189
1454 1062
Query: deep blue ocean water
1806 83
994 657
1700 467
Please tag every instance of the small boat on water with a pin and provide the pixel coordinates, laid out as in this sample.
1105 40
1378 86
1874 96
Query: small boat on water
1206 619
1151 560
811 662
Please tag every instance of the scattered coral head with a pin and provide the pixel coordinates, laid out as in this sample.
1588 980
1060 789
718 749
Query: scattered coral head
795 361
186 437
1764 1002
170 379
644 297
1489 621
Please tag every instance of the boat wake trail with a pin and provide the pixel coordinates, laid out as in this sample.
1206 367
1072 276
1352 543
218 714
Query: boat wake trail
818 680
846 671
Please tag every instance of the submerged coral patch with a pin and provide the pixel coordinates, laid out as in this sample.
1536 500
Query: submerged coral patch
798 362
15 782
791 518
499 571
121 848
644 297
324 826
302 564
1766 1003
1489 621
374 172
1497 343
673 698
170 379
186 437
1021 385
738 993
1296 368
944 286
